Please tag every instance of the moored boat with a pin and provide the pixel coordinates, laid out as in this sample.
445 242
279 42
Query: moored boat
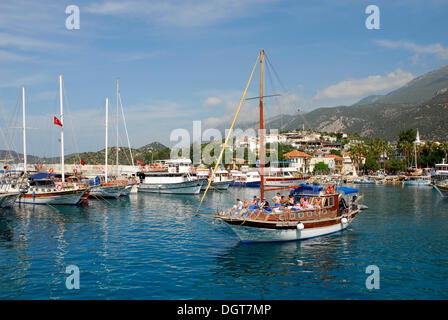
221 181
176 176
279 177
250 179
417 181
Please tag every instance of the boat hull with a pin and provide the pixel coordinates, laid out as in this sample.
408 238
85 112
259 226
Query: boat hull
417 183
255 234
106 192
127 190
283 182
216 185
72 197
250 184
186 187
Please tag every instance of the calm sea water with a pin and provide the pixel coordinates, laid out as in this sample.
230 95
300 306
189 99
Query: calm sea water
152 247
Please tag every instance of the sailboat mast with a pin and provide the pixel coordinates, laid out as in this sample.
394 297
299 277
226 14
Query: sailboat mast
62 128
261 127
417 140
106 151
116 165
24 130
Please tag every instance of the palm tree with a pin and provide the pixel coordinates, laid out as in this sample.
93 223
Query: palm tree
357 151
444 148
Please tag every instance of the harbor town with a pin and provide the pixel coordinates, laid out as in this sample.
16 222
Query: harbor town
201 170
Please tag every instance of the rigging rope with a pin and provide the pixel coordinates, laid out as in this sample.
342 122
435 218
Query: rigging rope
228 135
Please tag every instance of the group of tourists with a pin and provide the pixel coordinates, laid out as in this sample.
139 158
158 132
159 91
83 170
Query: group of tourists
280 202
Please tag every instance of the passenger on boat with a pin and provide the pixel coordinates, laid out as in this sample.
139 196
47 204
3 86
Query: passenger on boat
277 199
238 207
265 206
290 200
246 203
283 201
255 201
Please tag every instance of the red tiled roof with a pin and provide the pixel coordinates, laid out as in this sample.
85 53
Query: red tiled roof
297 154
335 157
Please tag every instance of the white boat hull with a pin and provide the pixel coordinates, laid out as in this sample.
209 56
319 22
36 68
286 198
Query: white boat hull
216 185
55 198
186 187
253 234
127 190
106 192
269 182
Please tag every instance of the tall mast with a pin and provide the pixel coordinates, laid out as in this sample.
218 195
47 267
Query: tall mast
116 165
24 130
107 121
62 128
417 141
261 127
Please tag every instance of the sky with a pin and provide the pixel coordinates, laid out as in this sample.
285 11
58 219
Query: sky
180 61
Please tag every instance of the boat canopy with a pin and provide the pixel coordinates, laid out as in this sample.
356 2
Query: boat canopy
306 189
347 190
44 175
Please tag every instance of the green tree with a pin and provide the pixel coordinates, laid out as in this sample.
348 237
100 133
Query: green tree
336 152
321 167
394 166
371 163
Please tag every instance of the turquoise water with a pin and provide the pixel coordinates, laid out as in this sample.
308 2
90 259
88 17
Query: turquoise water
152 247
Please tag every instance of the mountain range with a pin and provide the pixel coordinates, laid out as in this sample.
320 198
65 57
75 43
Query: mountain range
422 103
152 151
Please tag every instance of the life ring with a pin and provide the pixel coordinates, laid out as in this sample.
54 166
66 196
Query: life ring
59 187
330 189
75 171
6 167
51 170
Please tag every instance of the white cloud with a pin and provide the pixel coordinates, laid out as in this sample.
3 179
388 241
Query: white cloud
364 86
10 56
436 49
10 82
213 101
179 13
25 43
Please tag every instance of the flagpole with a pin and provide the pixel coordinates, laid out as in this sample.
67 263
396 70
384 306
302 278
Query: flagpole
24 130
62 128
107 119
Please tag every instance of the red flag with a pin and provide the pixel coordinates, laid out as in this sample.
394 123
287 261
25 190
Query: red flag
83 163
142 164
57 121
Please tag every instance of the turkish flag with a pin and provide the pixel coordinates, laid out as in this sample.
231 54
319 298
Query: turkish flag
138 162
83 163
57 121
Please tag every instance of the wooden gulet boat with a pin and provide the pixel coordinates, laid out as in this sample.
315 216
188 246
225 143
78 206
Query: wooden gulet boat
329 210
325 211
47 188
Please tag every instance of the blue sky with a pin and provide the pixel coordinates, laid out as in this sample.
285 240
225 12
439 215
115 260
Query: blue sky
180 61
